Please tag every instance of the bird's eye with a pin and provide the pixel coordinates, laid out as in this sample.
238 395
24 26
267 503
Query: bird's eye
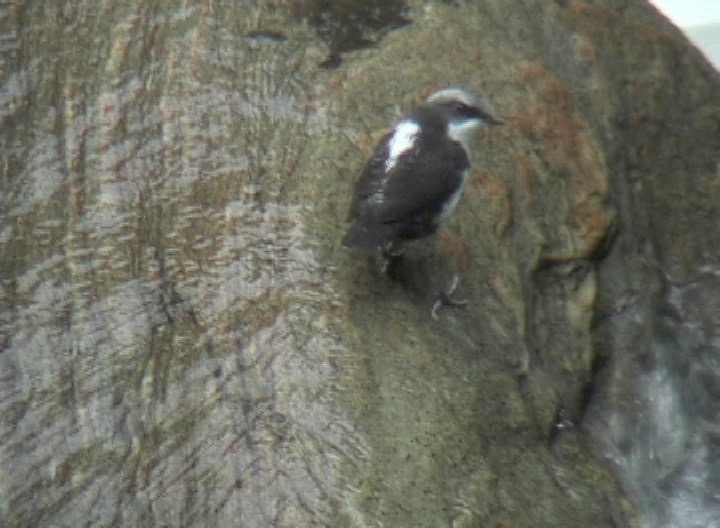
461 109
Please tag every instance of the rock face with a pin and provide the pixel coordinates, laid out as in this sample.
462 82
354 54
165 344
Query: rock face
184 340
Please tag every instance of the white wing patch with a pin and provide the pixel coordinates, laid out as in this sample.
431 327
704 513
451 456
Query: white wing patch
402 140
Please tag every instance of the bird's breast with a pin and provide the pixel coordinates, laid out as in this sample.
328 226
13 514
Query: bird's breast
447 210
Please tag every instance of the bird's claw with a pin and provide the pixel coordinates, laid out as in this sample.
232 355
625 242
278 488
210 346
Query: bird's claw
388 253
445 298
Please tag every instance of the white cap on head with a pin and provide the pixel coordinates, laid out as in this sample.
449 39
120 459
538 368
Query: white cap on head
447 95
468 98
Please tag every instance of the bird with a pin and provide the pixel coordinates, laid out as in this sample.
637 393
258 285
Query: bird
415 177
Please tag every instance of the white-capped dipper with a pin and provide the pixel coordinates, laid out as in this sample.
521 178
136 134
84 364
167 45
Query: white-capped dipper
416 175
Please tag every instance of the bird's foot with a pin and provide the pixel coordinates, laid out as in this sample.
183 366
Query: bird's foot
445 298
388 254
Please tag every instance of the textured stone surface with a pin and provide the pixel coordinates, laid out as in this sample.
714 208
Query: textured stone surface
184 340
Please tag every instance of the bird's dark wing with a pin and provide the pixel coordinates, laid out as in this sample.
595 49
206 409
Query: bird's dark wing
404 201
372 177
421 181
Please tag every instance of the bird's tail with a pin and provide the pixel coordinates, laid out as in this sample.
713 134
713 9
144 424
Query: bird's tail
363 237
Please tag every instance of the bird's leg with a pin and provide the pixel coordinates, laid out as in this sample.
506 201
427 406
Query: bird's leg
387 253
445 298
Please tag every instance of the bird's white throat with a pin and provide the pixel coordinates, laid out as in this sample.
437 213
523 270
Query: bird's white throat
464 131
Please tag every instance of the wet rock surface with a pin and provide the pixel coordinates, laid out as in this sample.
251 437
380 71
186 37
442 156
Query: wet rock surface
185 342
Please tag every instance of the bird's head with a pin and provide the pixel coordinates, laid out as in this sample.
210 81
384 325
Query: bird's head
466 112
